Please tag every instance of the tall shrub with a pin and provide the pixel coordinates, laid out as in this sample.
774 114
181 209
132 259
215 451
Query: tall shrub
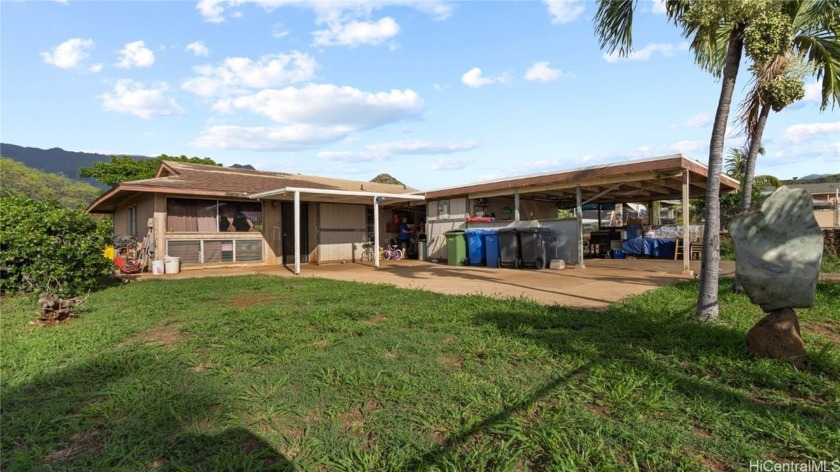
44 246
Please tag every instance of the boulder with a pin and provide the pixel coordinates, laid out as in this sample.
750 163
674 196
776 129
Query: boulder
777 336
778 250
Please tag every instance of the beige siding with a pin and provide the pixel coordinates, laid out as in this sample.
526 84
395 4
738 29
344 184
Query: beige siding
341 232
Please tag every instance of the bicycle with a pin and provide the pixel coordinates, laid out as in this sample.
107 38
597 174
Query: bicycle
392 252
367 254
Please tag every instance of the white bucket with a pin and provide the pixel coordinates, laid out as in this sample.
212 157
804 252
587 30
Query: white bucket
173 264
157 267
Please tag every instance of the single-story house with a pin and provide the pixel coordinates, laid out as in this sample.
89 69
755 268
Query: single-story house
826 209
211 216
218 216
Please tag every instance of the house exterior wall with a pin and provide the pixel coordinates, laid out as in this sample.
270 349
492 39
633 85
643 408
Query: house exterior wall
144 209
341 232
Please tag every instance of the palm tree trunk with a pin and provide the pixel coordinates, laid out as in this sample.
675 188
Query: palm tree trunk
752 156
707 298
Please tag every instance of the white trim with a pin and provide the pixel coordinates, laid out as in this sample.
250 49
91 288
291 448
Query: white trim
343 193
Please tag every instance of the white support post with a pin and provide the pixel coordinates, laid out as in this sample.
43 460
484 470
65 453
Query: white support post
516 207
297 233
376 232
579 215
686 235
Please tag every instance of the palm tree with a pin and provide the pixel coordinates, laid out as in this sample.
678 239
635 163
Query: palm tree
707 23
811 45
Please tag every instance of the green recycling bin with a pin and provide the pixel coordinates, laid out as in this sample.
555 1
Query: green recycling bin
456 247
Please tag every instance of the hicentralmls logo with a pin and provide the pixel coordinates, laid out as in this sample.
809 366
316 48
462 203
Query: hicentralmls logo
808 466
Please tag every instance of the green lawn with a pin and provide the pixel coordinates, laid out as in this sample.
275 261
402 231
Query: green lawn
260 373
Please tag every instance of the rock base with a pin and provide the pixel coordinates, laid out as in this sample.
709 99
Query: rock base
777 336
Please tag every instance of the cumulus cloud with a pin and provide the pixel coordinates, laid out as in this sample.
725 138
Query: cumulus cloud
802 132
351 156
278 30
689 147
238 74
450 163
564 11
647 52
136 54
700 120
198 48
132 98
328 105
542 72
68 54
813 93
269 138
474 78
422 147
658 7
96 68
356 33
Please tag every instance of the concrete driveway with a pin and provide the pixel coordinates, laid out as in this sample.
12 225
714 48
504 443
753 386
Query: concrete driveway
603 282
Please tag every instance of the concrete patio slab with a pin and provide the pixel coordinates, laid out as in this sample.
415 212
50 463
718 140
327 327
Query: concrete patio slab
603 282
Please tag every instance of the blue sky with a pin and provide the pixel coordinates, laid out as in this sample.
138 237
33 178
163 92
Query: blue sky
437 94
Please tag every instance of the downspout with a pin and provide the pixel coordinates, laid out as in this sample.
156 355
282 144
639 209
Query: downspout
297 232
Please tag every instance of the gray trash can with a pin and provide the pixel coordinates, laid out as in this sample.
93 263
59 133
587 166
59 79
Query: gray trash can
421 250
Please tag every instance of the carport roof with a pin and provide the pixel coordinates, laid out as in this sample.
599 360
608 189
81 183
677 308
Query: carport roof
643 180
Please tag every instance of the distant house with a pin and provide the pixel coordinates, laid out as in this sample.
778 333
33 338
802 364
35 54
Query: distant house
826 210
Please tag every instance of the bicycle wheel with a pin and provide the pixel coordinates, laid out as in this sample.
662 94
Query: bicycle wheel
386 254
398 254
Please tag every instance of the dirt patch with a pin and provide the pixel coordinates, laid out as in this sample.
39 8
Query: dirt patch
201 367
824 329
259 298
79 443
598 410
448 340
321 344
390 355
452 361
157 464
700 432
164 335
375 319
355 418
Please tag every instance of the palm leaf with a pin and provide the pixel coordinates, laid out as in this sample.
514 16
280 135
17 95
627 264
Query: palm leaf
614 25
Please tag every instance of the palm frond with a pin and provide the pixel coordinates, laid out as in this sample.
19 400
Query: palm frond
614 25
822 51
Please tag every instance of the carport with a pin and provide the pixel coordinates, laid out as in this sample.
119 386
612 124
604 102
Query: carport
672 177
361 197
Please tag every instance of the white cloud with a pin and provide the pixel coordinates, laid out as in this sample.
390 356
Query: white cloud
700 120
689 147
541 71
136 54
422 147
450 163
474 78
96 68
351 156
131 98
813 93
237 74
269 138
211 10
68 54
356 33
198 48
278 30
644 54
564 11
658 7
803 132
328 105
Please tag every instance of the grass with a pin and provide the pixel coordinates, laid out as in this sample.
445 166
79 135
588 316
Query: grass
259 373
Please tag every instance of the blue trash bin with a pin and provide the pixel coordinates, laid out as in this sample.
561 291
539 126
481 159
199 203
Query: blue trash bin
475 246
491 248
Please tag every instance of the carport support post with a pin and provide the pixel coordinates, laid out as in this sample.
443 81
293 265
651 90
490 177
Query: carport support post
297 232
375 232
516 207
686 241
579 214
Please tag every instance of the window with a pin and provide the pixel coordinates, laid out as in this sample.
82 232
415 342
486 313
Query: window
216 251
187 215
132 220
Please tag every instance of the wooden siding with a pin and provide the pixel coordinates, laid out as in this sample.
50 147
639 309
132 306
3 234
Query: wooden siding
341 232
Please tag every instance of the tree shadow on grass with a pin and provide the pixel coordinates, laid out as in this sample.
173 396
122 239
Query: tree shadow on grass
131 409
706 364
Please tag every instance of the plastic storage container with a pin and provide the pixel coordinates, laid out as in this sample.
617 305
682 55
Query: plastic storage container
535 244
509 255
421 251
157 267
475 246
491 248
172 264
456 247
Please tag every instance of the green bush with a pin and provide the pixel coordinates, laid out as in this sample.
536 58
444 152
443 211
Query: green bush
44 246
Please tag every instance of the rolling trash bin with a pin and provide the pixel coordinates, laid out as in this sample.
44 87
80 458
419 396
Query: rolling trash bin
491 248
456 247
509 248
475 246
534 246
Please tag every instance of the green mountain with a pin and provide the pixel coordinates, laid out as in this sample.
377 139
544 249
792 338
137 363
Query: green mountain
18 179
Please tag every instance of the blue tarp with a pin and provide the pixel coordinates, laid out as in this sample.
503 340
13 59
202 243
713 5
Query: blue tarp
651 247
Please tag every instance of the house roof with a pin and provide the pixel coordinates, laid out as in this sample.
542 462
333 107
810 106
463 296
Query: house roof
653 179
211 181
817 189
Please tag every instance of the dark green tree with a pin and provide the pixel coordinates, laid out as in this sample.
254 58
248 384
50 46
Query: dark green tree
386 179
125 168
